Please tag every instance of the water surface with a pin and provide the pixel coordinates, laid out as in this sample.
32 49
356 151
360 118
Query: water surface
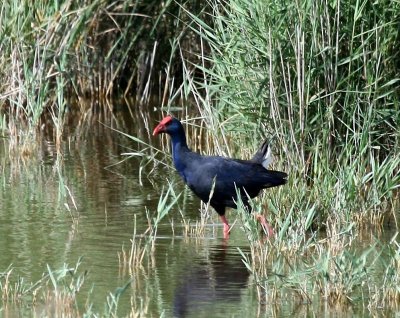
85 201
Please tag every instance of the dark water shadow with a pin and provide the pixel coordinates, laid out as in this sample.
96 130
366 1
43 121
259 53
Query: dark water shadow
213 280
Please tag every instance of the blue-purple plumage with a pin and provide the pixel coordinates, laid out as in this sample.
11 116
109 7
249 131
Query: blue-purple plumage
221 175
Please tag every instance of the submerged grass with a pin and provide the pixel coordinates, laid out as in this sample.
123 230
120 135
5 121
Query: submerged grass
56 294
143 245
334 266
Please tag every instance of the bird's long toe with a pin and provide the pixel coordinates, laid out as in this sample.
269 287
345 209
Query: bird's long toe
268 229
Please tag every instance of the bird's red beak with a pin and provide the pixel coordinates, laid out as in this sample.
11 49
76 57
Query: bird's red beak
161 127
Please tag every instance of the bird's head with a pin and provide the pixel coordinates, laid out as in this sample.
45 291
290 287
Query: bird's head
168 125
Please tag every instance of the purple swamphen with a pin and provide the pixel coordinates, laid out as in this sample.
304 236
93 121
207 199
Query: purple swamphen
222 177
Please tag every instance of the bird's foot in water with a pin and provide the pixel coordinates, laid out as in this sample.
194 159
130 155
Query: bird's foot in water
227 230
227 227
268 229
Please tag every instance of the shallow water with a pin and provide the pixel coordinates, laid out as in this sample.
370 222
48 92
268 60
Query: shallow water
83 202
58 207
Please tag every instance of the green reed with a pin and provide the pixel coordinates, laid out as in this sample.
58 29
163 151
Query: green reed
319 81
56 293
57 290
57 51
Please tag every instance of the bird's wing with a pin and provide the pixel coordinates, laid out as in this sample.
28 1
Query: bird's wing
229 174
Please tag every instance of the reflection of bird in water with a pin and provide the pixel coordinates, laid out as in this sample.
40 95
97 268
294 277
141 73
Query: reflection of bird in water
219 279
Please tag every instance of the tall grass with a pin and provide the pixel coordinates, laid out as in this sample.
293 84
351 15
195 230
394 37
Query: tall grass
321 81
56 51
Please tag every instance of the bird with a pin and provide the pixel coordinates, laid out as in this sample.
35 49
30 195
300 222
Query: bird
219 180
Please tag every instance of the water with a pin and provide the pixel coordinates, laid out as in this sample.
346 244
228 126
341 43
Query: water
56 208
83 203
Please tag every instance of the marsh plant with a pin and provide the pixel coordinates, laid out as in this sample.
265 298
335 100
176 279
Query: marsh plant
321 81
56 54
143 245
54 294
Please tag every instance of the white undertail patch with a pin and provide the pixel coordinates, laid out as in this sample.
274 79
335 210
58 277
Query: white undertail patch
267 160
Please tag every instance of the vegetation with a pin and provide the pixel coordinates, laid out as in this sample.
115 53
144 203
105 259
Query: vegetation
322 80
319 79
326 93
56 52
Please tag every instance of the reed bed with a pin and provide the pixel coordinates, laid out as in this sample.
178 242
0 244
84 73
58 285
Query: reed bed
331 113
58 51
320 81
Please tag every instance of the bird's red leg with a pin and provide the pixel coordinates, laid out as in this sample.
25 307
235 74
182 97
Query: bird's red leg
267 228
226 226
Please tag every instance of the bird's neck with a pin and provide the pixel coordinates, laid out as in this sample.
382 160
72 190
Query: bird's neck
179 151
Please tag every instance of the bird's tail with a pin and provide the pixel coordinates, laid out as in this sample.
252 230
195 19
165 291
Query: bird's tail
275 178
263 156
